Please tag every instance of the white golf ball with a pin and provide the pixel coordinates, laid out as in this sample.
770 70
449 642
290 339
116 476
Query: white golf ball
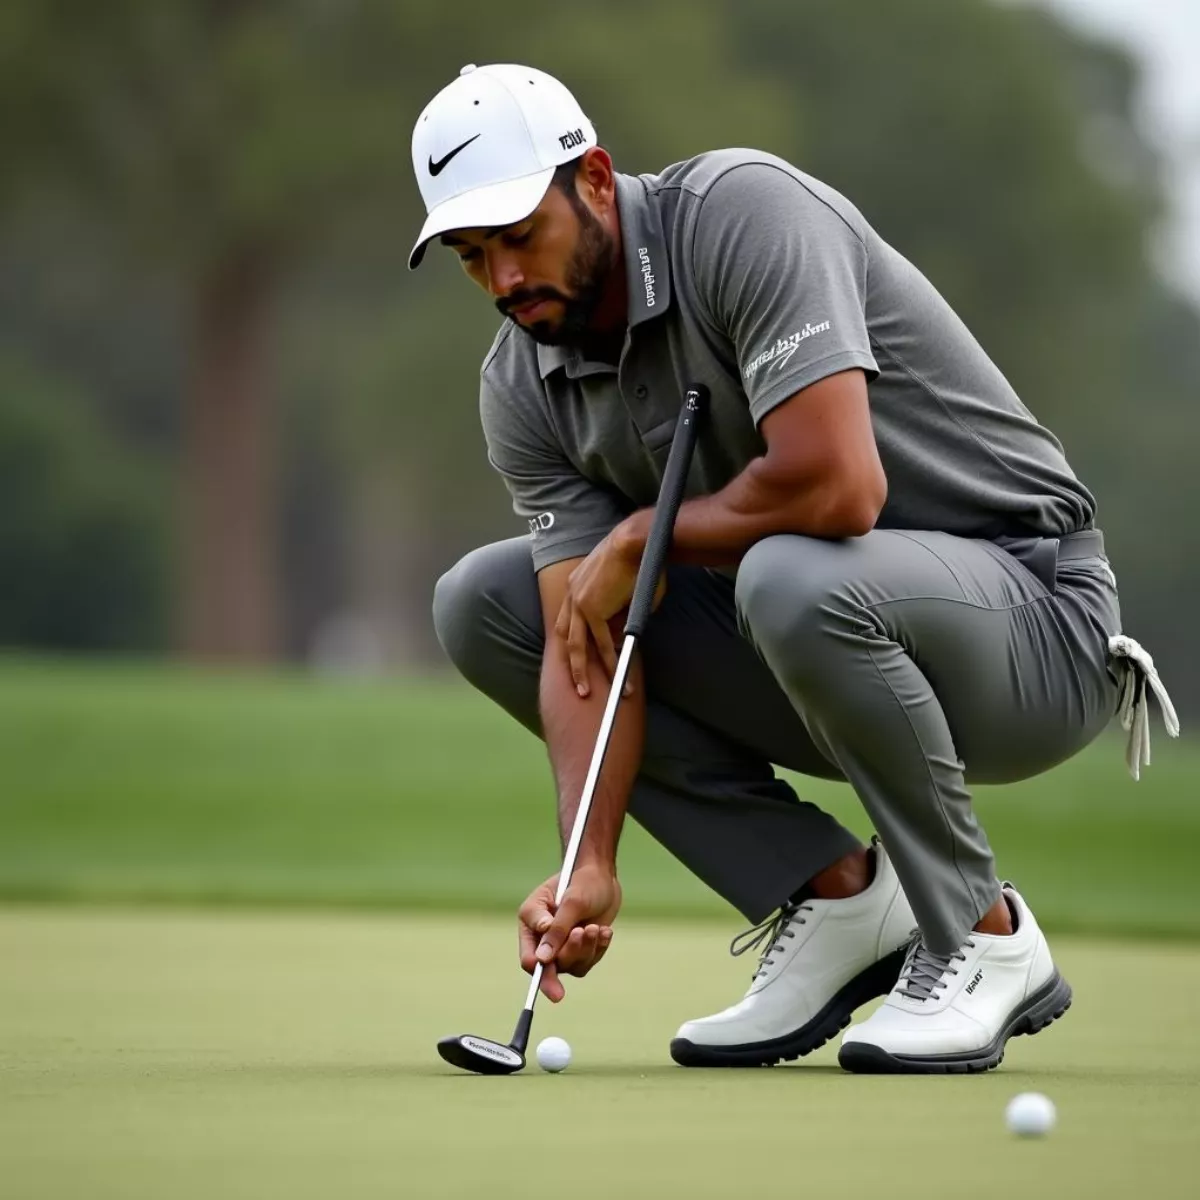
1030 1114
553 1054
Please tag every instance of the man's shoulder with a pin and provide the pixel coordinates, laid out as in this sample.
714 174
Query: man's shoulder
512 360
695 177
512 398
748 178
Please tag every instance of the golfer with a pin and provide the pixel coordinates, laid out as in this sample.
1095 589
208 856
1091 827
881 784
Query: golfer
885 572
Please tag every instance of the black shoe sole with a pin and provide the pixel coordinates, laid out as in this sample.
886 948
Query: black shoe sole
877 980
1034 1013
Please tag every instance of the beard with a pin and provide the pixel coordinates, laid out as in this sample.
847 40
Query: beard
587 274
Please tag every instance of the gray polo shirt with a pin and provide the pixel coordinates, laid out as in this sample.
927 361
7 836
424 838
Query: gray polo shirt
752 277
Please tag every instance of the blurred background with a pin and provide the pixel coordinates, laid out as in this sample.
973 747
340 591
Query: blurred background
239 440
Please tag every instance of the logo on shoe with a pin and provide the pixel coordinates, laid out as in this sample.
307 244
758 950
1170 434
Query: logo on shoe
975 982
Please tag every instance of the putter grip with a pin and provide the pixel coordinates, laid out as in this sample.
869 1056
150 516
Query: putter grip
670 496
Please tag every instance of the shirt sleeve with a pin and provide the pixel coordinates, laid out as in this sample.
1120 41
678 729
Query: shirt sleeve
568 515
784 274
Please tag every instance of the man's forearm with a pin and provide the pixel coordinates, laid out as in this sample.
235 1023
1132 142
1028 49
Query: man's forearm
717 530
571 725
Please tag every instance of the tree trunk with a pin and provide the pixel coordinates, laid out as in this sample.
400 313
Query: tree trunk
230 553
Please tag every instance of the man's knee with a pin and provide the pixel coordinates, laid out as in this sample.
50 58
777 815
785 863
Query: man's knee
489 587
788 589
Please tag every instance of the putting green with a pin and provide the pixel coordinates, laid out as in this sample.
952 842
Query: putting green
153 1054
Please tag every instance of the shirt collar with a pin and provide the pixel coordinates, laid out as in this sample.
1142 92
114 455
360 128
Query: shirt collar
647 273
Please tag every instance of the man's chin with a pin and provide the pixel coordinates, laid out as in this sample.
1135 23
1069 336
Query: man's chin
557 323
548 333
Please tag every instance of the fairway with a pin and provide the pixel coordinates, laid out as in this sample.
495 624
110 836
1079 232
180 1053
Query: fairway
154 1054
169 785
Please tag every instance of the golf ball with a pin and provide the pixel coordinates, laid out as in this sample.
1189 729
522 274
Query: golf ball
553 1054
1030 1114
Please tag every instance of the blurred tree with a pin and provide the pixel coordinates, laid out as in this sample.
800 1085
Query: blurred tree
221 137
234 140
82 544
259 152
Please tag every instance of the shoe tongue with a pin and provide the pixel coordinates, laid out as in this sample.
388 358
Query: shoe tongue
768 934
922 973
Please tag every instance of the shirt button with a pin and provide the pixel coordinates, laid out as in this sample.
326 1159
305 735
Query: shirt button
641 391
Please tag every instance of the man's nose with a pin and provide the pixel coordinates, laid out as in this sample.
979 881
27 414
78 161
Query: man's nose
504 275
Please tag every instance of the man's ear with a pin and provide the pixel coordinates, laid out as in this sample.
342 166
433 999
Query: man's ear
595 180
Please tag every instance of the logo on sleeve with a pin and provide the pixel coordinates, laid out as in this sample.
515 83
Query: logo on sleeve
541 523
647 275
784 348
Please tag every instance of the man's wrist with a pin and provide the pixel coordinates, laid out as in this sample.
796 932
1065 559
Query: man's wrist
631 535
593 859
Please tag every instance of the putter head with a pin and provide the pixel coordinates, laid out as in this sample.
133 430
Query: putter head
481 1055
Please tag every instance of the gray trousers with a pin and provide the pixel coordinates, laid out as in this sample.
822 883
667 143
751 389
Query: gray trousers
908 664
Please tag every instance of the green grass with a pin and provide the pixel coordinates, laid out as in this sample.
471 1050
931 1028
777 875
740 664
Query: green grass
148 1054
164 785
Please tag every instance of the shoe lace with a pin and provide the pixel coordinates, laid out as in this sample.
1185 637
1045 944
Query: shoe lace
770 934
924 972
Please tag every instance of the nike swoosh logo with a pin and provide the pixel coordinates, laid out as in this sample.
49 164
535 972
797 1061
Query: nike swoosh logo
436 168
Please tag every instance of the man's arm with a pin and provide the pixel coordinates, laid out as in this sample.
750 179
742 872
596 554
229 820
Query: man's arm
568 515
572 938
820 476
571 724
781 265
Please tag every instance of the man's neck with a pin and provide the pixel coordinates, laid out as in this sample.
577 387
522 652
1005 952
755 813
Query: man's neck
603 347
605 337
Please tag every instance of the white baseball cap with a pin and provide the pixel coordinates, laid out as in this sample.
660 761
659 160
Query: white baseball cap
485 148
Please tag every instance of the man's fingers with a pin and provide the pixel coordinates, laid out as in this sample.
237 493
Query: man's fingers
578 949
583 949
527 943
559 930
588 950
534 919
602 944
562 627
602 636
577 656
551 986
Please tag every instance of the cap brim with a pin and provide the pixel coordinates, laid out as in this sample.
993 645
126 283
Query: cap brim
484 207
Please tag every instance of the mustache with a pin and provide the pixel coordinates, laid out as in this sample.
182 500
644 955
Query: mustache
528 296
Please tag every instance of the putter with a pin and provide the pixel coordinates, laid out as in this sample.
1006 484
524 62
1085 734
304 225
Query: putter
482 1055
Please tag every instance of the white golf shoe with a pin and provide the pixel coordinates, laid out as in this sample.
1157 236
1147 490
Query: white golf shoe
823 959
956 1014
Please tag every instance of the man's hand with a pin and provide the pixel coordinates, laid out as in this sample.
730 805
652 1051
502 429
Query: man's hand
599 588
574 939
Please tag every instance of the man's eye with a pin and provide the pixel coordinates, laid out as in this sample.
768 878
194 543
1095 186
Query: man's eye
467 257
517 239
